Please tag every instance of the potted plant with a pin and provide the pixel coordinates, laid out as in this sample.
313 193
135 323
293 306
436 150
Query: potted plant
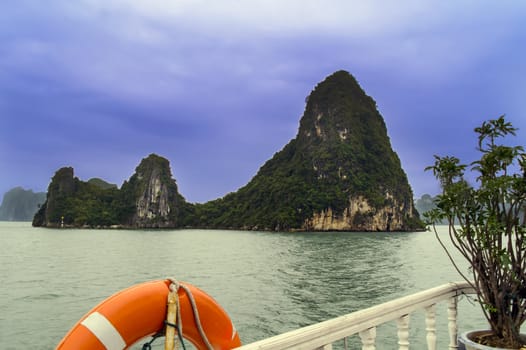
486 224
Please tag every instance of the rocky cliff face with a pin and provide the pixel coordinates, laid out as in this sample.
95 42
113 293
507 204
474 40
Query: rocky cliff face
153 202
360 216
156 200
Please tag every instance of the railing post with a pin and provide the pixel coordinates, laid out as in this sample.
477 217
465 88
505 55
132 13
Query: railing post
452 322
368 338
403 332
325 347
431 335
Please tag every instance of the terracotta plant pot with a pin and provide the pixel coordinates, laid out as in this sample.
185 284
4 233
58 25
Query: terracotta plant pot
465 342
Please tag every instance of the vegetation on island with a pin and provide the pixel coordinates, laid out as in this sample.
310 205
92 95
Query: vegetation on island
73 202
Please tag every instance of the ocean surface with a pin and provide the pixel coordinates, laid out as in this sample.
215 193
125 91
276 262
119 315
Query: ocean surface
269 283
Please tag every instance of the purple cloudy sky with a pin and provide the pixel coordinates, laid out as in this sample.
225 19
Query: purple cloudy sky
217 87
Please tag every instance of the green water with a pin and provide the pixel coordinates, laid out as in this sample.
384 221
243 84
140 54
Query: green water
268 283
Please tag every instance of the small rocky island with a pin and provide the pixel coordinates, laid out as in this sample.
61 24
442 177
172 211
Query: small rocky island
149 199
338 174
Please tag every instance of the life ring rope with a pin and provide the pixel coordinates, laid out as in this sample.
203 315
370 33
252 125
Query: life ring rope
174 287
173 320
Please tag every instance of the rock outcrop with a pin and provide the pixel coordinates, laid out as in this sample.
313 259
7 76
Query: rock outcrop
346 139
62 187
149 199
156 200
339 173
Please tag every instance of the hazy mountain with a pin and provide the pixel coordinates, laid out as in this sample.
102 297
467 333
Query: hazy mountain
20 205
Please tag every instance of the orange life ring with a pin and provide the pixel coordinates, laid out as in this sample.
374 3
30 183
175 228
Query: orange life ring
140 311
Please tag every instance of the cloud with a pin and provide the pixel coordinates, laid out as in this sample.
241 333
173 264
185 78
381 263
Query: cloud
227 78
154 50
186 39
356 18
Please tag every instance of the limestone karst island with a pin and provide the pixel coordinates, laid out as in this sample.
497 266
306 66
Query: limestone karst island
338 174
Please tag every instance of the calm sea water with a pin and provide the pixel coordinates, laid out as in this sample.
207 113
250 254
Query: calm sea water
269 283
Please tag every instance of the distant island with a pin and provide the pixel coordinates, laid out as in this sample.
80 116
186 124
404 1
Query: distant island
338 174
19 204
425 204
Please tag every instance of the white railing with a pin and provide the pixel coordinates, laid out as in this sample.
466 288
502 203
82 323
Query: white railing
364 322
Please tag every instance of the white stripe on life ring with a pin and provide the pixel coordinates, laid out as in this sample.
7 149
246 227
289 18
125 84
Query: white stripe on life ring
102 328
